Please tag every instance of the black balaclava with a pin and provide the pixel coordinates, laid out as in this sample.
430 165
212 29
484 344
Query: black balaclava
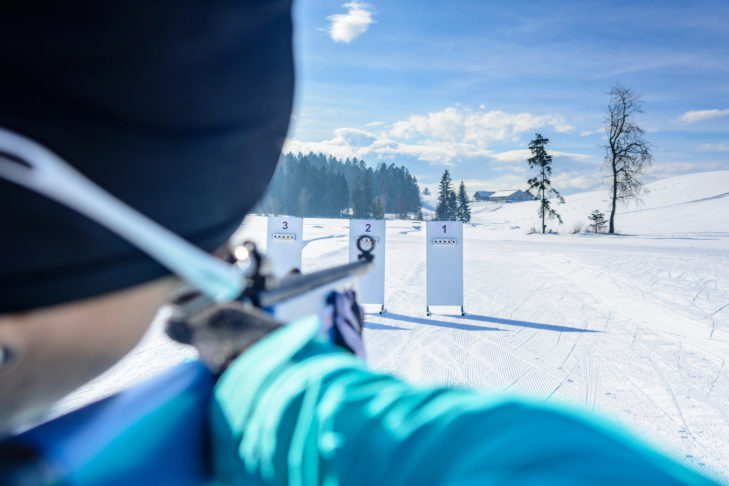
179 108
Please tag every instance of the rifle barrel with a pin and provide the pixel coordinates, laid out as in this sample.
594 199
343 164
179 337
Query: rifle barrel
298 284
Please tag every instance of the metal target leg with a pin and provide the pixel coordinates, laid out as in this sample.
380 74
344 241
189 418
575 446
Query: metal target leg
427 310
382 309
463 313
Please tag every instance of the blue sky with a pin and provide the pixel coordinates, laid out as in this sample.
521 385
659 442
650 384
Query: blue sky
465 85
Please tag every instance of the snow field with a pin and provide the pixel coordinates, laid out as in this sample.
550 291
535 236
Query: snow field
634 327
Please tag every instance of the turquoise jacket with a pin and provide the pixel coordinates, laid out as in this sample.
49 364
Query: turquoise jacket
296 410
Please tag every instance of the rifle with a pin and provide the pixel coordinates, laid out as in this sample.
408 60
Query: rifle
154 433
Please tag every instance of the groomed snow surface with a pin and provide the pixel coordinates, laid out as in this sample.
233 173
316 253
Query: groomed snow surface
633 326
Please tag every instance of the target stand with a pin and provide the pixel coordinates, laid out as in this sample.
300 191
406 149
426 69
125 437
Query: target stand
284 243
372 285
444 264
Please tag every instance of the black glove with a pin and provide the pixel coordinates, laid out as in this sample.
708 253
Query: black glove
220 331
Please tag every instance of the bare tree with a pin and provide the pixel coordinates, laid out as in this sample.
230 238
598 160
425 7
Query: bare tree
627 154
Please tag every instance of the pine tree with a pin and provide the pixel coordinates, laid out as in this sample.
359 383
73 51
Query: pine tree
464 209
542 183
452 206
443 211
367 194
598 220
341 194
303 201
413 192
290 187
357 198
362 196
377 210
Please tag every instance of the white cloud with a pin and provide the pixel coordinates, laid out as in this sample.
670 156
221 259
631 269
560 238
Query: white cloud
520 155
556 153
353 137
347 142
587 133
575 180
701 115
722 146
347 27
672 168
479 127
443 137
562 126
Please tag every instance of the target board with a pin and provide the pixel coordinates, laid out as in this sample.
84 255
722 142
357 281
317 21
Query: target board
284 243
444 264
372 285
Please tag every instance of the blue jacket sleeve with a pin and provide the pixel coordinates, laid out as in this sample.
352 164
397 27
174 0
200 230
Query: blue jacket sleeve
296 410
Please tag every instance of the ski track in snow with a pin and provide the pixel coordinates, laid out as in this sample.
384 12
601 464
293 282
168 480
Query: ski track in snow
635 328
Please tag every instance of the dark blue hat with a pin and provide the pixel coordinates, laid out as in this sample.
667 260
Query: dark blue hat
178 108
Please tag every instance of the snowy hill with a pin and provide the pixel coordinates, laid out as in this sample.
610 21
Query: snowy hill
694 203
634 327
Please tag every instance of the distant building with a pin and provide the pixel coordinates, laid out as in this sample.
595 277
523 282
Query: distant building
482 195
512 195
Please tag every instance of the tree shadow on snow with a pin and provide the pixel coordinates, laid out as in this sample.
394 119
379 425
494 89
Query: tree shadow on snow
533 325
433 322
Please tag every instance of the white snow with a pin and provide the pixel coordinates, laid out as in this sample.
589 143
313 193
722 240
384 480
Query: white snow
635 326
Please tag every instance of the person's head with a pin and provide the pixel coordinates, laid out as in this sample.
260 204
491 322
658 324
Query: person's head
178 110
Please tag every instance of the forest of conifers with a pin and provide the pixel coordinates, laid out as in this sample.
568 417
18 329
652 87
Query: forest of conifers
316 185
